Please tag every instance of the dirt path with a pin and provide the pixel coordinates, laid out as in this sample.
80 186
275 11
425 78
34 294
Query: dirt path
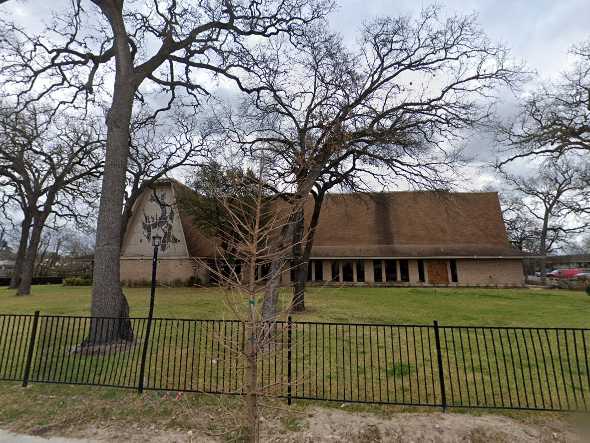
339 426
333 425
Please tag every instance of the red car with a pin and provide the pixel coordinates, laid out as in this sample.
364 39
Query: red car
565 273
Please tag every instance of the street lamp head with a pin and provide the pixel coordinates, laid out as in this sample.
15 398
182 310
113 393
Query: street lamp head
156 240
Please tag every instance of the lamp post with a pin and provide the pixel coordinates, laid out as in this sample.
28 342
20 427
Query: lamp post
156 241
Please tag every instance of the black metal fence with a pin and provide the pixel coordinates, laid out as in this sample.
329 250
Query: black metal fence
444 366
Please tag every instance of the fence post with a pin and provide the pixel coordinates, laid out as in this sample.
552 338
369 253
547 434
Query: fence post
289 329
30 350
144 355
441 374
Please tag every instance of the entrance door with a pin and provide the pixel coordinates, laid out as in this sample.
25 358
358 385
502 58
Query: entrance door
437 272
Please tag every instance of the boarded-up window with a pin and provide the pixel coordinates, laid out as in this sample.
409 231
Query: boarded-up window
437 272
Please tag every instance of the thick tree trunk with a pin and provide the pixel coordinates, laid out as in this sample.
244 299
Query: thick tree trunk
299 265
28 268
22 250
303 260
271 296
108 299
109 304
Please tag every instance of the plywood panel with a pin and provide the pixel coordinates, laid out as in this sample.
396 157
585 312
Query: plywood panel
437 272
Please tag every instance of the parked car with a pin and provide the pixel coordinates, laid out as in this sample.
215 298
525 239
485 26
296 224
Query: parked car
565 273
585 275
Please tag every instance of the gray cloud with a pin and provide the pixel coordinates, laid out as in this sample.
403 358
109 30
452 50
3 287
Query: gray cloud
539 33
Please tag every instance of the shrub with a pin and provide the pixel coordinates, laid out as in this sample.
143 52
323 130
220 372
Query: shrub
77 281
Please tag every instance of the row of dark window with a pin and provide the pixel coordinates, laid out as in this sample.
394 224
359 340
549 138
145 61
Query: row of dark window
315 270
390 267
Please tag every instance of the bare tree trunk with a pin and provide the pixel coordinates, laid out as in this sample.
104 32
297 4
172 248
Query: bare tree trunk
251 383
128 208
39 268
271 296
299 265
251 345
24 287
108 299
543 247
22 250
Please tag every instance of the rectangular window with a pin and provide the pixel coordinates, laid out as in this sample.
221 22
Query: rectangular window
404 273
377 271
319 270
453 265
347 271
264 271
421 276
390 270
335 270
360 270
309 274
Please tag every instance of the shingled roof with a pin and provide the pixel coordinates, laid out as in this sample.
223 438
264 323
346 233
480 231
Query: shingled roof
418 224
412 224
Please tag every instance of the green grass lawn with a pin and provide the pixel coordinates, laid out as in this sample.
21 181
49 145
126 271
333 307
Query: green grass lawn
465 306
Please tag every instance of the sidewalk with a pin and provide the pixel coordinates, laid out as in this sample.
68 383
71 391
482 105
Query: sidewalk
10 437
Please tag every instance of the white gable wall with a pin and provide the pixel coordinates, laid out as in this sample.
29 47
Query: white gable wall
155 215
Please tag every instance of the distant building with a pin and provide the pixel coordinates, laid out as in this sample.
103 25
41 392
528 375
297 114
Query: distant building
534 263
6 268
389 239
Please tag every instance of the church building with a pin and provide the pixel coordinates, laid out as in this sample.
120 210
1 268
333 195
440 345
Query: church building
421 238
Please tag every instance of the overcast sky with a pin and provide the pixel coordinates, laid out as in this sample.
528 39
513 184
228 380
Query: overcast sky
538 33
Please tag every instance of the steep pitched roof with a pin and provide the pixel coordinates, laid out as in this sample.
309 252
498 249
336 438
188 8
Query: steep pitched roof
392 224
412 224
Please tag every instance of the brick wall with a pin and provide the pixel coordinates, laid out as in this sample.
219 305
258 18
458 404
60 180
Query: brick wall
470 272
170 270
490 272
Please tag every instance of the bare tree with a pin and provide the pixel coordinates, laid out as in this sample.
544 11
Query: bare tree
48 166
523 229
555 119
251 225
151 45
332 115
557 198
